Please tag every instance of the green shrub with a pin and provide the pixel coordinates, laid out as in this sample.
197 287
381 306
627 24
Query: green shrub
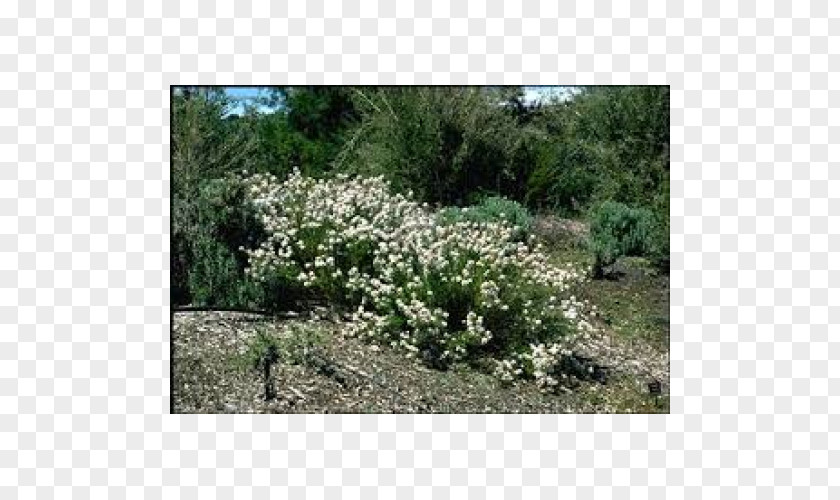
213 229
493 209
606 143
179 259
565 177
207 215
214 277
513 212
301 342
617 230
444 143
660 252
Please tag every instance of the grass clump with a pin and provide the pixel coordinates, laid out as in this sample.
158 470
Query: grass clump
296 346
261 355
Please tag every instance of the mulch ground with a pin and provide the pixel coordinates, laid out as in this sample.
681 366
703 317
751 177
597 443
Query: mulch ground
345 375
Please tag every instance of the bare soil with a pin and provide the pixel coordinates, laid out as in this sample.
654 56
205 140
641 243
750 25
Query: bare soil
345 375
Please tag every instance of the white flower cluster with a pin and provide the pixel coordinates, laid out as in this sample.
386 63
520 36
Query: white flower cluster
476 329
544 359
404 272
509 369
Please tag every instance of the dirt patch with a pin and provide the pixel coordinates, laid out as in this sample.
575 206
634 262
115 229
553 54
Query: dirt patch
634 303
554 230
346 375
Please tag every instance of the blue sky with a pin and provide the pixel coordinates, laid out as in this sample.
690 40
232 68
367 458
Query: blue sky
244 92
245 95
532 94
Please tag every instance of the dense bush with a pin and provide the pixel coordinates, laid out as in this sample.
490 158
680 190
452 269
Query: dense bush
443 292
207 214
617 230
566 177
607 143
214 278
660 251
211 271
308 129
444 143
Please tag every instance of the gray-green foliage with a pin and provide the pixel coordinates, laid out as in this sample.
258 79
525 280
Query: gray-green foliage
302 343
264 349
617 230
509 210
214 276
217 223
492 209
296 346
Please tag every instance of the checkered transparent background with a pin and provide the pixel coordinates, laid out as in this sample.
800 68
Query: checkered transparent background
84 218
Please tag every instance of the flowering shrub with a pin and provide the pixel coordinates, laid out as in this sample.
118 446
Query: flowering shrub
443 292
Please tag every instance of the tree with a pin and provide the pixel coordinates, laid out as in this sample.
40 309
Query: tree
444 143
205 146
309 127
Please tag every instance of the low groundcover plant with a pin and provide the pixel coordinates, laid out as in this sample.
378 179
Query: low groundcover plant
442 291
